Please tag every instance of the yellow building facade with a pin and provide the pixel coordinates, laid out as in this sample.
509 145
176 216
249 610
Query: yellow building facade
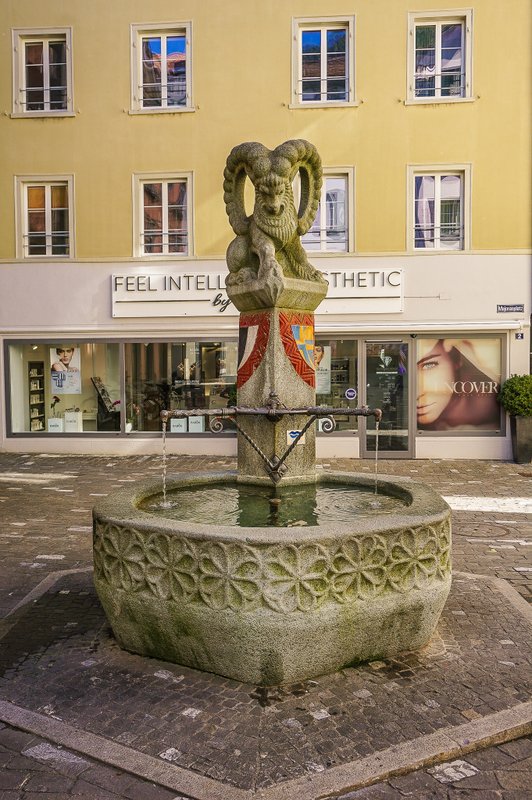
118 119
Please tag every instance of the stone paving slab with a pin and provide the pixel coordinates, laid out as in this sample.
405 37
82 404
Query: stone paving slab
60 663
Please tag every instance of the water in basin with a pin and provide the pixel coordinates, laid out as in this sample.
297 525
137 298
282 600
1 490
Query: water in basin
249 505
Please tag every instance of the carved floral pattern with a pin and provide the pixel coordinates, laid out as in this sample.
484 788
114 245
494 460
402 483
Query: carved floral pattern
286 578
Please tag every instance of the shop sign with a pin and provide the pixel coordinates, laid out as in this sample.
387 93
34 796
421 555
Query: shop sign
516 308
197 293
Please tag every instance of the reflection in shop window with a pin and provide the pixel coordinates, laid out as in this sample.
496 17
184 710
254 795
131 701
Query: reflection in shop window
64 387
178 375
336 371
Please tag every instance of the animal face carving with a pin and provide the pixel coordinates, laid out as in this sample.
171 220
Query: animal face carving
267 244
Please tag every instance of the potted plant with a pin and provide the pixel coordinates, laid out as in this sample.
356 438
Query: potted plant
516 399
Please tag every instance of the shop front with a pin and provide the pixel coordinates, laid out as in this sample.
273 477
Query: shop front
168 339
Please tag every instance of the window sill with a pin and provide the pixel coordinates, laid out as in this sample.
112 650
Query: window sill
143 111
438 252
38 114
162 256
437 101
325 104
46 258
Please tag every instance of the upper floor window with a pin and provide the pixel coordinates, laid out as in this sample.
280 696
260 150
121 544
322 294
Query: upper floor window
323 61
330 230
42 72
163 215
44 205
440 57
161 68
440 209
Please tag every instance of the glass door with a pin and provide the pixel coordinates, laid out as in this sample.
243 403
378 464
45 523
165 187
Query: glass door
385 385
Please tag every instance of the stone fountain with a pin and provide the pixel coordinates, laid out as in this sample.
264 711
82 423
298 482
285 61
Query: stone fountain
248 598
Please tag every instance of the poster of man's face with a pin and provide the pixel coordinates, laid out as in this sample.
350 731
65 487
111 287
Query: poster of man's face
65 369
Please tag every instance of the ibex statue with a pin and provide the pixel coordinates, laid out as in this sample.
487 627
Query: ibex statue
267 245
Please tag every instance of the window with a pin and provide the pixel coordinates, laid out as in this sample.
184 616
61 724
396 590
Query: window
178 375
440 56
63 386
161 68
330 231
440 205
336 363
163 215
323 61
42 74
44 211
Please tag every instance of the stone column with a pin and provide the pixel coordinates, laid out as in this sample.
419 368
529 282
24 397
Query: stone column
276 355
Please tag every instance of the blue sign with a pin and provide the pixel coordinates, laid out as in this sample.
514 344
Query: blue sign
350 394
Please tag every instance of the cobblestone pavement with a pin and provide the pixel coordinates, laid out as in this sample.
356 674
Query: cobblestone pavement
59 660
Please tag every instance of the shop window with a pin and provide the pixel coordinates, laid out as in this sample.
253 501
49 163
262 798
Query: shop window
440 207
163 215
331 229
161 59
323 61
458 383
440 56
42 72
336 365
64 387
45 220
178 375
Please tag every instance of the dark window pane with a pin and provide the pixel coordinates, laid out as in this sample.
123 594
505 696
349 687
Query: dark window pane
425 87
336 90
336 41
60 246
425 36
60 221
57 53
59 197
311 67
311 42
34 53
152 194
36 196
36 244
177 193
311 90
153 218
451 36
36 221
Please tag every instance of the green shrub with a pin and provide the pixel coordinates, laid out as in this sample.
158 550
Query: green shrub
516 396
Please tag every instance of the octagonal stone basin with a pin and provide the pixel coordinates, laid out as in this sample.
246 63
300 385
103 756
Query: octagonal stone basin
269 605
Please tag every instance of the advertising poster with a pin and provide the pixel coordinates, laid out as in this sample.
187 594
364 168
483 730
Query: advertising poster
65 369
458 382
322 365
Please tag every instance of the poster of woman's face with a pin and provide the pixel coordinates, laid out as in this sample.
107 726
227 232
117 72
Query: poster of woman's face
65 369
322 365
458 382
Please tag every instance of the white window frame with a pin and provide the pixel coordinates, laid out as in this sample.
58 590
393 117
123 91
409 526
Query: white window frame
137 32
439 18
22 36
139 179
299 24
22 182
348 173
439 170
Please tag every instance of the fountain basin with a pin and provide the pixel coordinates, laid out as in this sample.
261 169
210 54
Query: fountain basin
269 605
